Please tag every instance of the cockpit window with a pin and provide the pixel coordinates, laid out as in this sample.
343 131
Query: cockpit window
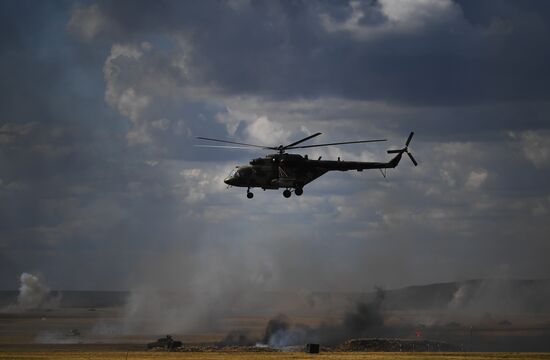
234 173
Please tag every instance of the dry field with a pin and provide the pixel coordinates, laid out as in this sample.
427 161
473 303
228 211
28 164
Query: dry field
49 334
108 355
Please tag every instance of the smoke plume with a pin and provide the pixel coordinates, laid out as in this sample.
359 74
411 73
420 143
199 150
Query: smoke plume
367 317
275 326
33 294
499 296
365 320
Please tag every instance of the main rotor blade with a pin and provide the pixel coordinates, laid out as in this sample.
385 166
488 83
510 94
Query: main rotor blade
412 159
237 143
331 144
409 139
225 147
301 141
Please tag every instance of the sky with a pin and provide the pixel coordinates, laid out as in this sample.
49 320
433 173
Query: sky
102 188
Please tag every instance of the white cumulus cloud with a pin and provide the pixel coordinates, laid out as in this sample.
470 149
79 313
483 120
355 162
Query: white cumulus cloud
535 147
399 16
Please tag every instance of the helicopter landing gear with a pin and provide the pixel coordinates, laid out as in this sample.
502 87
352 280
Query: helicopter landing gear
299 191
287 193
249 194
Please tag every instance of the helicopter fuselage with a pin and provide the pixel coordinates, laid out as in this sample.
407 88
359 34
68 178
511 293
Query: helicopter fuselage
293 171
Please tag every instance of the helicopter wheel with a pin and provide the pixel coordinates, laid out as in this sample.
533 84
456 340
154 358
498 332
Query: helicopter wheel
299 191
249 195
287 193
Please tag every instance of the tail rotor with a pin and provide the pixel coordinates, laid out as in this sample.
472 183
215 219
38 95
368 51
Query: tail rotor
405 150
409 138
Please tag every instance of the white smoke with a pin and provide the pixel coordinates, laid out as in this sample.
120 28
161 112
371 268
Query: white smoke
294 336
461 297
33 294
56 337
498 296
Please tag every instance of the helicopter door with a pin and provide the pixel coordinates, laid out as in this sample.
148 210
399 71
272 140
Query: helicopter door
285 180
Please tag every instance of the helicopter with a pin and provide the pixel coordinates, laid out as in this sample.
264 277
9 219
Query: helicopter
293 171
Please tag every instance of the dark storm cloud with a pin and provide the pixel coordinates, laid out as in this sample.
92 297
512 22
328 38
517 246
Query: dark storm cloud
286 49
482 69
43 70
69 185
101 100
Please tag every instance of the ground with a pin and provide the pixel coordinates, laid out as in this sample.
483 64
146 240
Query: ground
107 355
82 330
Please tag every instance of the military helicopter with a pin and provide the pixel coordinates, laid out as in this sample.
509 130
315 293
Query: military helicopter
292 171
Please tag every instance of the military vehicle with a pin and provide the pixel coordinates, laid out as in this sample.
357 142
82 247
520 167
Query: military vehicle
165 343
292 171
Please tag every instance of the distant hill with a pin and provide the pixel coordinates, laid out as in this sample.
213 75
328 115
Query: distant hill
497 294
532 296
75 299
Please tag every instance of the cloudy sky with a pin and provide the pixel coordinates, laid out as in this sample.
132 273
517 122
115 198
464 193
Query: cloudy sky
101 186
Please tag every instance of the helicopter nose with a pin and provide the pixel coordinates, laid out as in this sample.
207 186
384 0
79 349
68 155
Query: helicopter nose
229 180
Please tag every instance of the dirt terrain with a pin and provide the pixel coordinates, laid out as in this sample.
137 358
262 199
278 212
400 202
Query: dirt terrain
410 319
108 355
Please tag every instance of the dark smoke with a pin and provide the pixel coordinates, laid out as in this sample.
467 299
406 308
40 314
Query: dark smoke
275 326
367 318
238 338
365 321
